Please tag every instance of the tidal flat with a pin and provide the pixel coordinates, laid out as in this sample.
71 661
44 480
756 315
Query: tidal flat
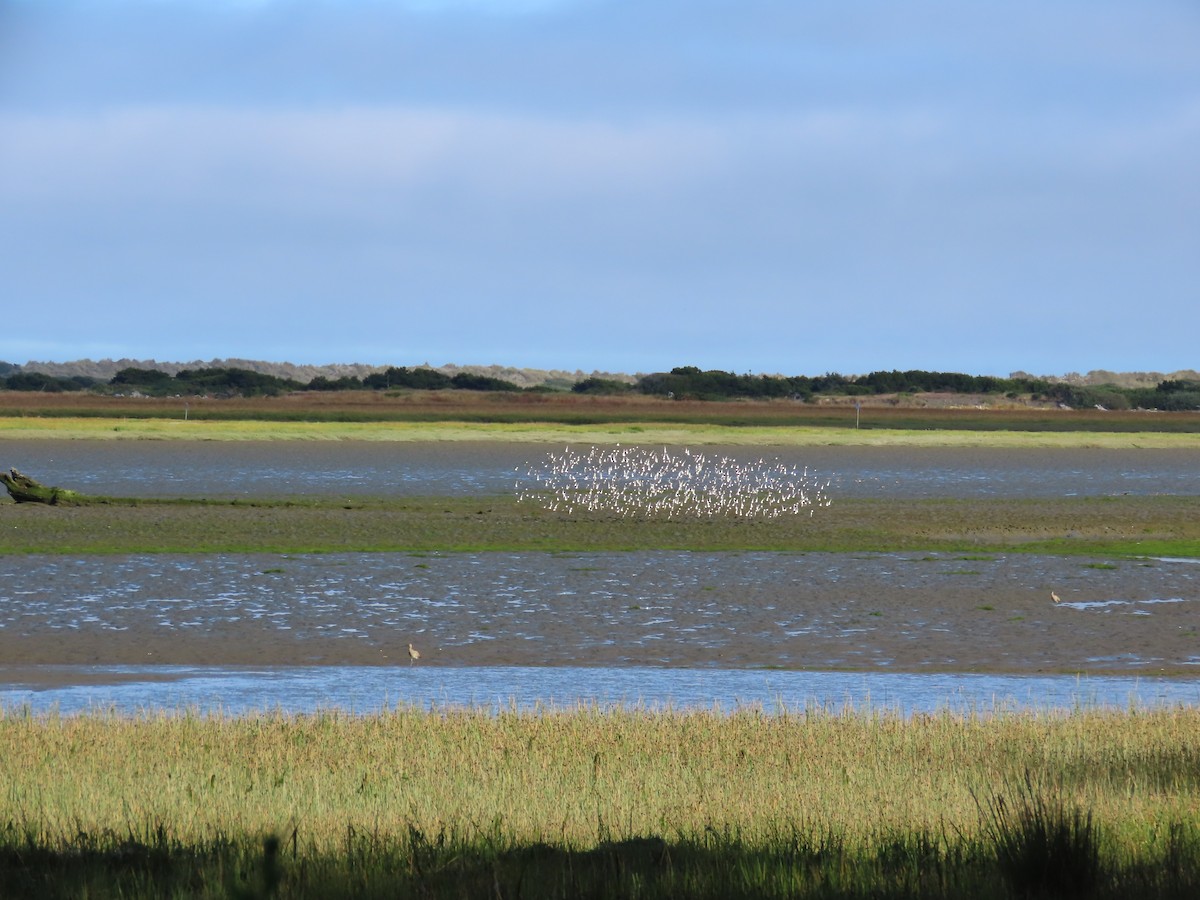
716 610
893 573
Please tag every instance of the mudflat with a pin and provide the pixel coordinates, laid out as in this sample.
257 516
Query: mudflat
899 584
882 612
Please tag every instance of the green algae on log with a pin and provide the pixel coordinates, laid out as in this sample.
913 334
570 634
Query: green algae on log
24 489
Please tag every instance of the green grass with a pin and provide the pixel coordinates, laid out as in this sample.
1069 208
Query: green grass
602 803
1129 526
684 430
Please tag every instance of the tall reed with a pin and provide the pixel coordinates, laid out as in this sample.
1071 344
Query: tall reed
765 797
554 775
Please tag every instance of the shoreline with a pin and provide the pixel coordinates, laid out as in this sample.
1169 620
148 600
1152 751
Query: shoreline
53 676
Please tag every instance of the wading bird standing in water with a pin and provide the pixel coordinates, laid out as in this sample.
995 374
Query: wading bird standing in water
413 654
1053 596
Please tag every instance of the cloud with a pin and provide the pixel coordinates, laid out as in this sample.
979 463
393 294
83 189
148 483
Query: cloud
892 183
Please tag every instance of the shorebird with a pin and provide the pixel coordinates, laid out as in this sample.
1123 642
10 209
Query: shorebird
413 654
1053 596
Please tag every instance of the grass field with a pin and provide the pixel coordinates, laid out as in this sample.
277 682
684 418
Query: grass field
656 433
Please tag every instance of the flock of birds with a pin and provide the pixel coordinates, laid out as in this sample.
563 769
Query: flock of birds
636 481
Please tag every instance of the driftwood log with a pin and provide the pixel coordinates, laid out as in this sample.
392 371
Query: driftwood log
24 489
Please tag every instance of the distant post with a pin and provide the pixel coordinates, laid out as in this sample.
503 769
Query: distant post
857 410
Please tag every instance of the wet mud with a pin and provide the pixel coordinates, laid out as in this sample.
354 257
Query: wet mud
882 612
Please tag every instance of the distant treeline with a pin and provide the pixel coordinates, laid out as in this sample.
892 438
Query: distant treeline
686 382
689 382
229 382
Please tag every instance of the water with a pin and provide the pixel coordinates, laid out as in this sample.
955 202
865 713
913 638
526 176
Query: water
365 690
389 469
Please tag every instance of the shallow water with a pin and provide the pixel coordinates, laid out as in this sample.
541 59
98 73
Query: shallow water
364 690
338 468
464 598
657 608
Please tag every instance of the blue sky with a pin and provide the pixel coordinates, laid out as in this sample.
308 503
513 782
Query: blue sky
616 185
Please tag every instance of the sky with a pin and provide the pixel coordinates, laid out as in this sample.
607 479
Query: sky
757 186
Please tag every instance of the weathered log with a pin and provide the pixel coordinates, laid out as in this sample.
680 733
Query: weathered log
24 489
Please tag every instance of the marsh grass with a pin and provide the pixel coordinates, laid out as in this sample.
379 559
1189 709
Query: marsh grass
1045 845
716 424
601 802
